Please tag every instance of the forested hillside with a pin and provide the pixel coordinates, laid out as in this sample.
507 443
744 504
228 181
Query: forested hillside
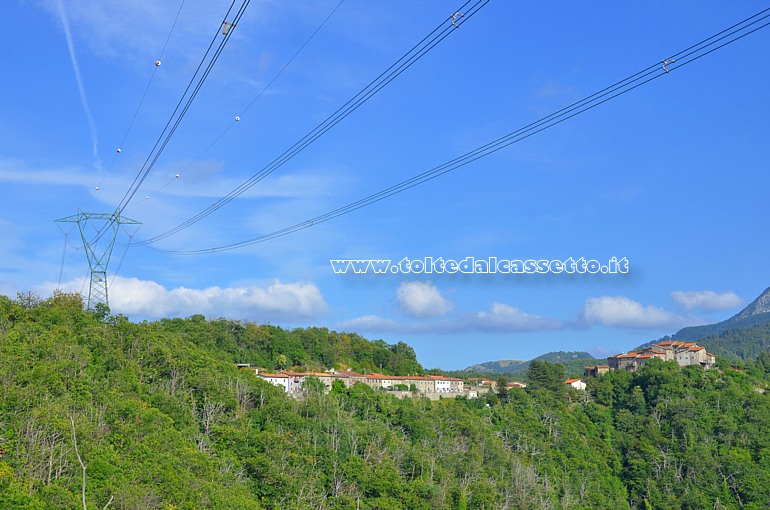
137 416
739 343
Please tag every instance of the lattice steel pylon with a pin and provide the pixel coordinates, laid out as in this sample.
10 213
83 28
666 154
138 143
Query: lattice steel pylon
106 227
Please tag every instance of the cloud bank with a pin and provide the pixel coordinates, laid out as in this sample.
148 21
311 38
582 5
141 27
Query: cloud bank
500 318
149 299
623 312
707 300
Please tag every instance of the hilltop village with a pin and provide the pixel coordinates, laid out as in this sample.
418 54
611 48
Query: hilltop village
684 353
437 386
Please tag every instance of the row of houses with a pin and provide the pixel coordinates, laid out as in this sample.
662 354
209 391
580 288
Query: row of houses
429 385
684 353
291 382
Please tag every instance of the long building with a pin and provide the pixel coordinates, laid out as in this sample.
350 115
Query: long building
291 382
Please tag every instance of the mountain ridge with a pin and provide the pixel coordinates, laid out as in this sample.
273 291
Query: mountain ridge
755 313
570 359
761 305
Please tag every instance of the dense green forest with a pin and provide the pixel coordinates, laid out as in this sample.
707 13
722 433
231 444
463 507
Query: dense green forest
739 343
100 412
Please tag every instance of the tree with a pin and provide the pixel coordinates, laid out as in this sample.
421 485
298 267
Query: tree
313 386
502 389
101 312
543 375
338 387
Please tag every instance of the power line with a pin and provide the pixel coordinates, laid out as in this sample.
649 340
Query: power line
246 109
171 126
438 34
652 72
64 250
292 58
123 255
141 100
227 29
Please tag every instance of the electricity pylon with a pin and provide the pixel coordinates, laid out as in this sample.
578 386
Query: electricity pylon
105 227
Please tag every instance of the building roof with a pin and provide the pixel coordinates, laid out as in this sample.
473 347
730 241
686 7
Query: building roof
320 374
273 375
570 381
348 373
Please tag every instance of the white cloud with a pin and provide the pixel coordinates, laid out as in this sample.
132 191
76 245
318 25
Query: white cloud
501 318
623 312
204 180
8 289
707 300
146 298
421 299
19 172
371 323
504 318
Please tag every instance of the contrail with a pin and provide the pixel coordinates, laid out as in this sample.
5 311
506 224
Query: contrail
68 34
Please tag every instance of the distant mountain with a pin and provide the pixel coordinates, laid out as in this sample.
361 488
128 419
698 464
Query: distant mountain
742 336
503 366
756 313
759 306
573 361
743 343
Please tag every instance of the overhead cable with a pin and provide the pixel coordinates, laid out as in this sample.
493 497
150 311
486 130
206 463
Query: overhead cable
438 34
659 69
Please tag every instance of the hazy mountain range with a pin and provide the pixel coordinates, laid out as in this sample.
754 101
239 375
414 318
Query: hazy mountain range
742 336
573 361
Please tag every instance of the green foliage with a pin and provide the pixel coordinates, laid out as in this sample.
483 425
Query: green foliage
740 344
163 420
502 390
542 375
313 386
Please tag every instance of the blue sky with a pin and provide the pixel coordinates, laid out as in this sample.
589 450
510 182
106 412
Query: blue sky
673 175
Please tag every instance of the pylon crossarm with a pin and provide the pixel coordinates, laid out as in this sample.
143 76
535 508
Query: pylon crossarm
98 254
